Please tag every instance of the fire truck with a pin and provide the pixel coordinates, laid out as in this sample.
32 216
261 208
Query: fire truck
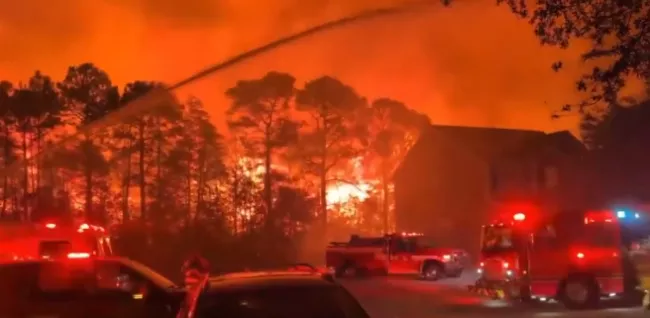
399 253
23 241
575 257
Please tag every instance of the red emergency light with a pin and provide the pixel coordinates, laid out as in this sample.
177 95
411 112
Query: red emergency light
50 225
599 216
519 217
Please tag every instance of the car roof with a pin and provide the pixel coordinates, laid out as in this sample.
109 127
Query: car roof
40 261
265 280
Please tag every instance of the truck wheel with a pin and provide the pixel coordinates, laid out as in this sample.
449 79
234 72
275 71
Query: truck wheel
579 292
347 270
432 271
457 273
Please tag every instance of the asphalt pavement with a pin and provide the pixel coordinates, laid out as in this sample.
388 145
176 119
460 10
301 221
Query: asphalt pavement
407 297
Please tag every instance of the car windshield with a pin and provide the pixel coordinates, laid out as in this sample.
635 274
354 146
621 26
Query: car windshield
306 301
425 241
497 238
157 278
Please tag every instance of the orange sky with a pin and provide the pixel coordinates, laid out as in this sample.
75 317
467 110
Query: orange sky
472 64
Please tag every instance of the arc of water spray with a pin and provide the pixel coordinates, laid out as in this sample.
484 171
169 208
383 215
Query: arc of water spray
160 96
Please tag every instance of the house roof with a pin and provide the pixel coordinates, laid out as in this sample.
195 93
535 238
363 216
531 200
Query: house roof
487 143
490 143
562 141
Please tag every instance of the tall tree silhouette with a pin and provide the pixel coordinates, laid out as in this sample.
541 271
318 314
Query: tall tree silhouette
393 129
36 109
137 130
204 154
89 95
260 112
334 132
46 115
8 143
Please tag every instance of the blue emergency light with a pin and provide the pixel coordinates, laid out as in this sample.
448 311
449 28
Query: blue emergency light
622 214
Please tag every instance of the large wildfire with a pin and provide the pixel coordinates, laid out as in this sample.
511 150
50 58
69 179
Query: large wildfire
339 192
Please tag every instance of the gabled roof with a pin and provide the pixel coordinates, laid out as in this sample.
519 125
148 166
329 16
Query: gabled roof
560 141
486 143
490 143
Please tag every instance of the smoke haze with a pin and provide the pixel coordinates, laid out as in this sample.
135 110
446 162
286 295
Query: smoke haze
471 64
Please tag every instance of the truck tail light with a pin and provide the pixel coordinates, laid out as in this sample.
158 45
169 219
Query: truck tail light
482 264
506 265
580 255
446 257
50 225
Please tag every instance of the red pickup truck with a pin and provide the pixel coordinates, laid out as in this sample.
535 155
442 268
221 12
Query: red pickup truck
402 253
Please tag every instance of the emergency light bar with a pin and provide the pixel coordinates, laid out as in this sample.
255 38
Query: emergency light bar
78 255
83 227
622 214
411 234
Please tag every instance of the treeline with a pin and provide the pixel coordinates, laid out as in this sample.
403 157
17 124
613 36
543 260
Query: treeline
154 166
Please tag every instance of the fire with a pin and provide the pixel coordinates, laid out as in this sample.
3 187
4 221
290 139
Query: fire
338 193
342 193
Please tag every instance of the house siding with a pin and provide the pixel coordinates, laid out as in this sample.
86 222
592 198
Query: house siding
446 197
447 190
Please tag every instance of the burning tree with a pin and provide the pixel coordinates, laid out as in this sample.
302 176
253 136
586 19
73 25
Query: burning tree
335 133
260 111
393 130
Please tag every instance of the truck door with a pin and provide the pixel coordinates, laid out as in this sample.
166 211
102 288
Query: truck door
548 262
119 291
401 256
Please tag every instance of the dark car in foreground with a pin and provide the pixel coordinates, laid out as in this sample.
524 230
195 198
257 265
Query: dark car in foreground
276 294
82 286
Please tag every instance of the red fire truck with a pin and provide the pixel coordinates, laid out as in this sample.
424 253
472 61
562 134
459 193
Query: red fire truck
575 257
403 253
20 240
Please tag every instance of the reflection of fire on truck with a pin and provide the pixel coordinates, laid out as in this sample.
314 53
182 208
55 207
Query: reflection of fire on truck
21 241
576 257
405 253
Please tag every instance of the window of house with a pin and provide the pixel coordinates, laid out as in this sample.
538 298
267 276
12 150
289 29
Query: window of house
494 178
551 177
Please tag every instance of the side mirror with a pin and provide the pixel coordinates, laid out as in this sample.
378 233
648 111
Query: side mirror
127 284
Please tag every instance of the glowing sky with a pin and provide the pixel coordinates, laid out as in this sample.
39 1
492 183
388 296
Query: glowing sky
472 64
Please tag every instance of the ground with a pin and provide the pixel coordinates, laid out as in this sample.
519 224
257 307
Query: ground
406 297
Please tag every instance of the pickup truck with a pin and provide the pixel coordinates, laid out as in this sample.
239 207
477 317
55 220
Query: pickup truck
400 253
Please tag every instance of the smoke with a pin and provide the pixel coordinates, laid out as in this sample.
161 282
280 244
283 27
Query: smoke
175 13
473 63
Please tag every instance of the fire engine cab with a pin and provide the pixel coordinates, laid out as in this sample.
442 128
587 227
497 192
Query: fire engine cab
399 253
23 241
575 257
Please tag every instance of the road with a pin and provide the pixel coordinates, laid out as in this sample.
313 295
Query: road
406 297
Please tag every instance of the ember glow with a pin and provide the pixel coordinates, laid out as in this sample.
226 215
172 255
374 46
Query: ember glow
342 193
338 193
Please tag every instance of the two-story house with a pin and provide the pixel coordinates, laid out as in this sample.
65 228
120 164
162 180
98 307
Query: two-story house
455 177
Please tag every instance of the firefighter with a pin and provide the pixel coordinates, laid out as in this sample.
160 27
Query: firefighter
195 269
